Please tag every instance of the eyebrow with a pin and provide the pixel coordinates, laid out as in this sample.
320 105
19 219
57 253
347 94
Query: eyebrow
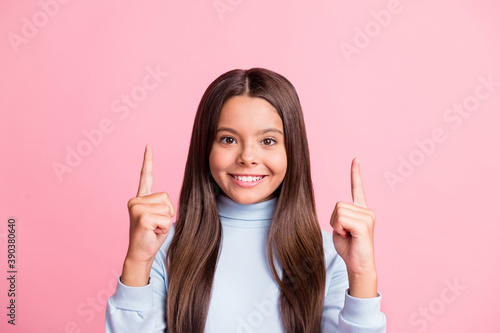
263 131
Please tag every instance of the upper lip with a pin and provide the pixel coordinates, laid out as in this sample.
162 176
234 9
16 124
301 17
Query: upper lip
245 175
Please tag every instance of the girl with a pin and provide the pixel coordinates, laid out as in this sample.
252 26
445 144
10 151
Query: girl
246 253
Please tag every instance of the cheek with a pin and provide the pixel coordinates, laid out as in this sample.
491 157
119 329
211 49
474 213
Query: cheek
212 162
217 161
278 162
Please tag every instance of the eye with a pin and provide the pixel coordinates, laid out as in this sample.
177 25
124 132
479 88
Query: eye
227 139
269 142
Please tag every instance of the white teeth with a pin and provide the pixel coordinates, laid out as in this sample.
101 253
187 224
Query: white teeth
247 179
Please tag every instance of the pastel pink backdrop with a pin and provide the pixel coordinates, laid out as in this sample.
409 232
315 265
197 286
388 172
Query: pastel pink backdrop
65 66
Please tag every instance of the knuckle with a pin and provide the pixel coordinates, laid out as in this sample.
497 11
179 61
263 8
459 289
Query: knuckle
341 218
368 223
334 220
131 203
166 211
164 196
134 210
371 214
341 211
166 221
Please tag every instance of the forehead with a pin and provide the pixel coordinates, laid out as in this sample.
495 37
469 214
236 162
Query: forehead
249 113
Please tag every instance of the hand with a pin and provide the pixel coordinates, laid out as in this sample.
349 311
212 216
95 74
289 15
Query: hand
353 226
150 217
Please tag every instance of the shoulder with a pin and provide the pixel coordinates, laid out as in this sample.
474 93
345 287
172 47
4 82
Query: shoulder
336 271
332 258
166 243
161 255
328 246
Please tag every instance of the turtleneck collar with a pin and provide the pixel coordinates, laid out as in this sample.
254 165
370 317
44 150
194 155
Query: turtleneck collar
245 216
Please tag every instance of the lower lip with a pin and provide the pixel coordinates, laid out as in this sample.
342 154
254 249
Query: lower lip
247 184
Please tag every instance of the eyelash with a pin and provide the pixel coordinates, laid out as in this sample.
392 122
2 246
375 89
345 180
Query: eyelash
228 137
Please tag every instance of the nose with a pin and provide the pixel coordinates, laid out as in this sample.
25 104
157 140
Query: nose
248 155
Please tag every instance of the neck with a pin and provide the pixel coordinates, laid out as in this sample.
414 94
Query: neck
241 215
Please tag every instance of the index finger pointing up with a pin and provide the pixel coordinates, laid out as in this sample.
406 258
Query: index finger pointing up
146 180
358 194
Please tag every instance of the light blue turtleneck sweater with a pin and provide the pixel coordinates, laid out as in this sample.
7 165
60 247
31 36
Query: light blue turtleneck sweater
244 293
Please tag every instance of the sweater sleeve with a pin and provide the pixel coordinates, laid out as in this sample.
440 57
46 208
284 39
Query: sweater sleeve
344 313
140 309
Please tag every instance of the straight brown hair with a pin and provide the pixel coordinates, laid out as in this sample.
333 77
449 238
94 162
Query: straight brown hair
295 242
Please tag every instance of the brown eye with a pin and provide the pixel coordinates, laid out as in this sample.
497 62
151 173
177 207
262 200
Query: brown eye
269 141
227 139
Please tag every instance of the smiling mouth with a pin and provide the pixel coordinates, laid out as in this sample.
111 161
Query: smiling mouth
248 178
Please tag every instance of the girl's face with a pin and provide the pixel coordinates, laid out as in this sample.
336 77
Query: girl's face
248 157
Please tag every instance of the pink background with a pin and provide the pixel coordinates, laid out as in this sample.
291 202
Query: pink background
437 225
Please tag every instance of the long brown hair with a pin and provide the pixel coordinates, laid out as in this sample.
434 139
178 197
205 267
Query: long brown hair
295 241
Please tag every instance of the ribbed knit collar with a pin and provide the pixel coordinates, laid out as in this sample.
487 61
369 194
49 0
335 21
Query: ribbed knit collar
245 216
